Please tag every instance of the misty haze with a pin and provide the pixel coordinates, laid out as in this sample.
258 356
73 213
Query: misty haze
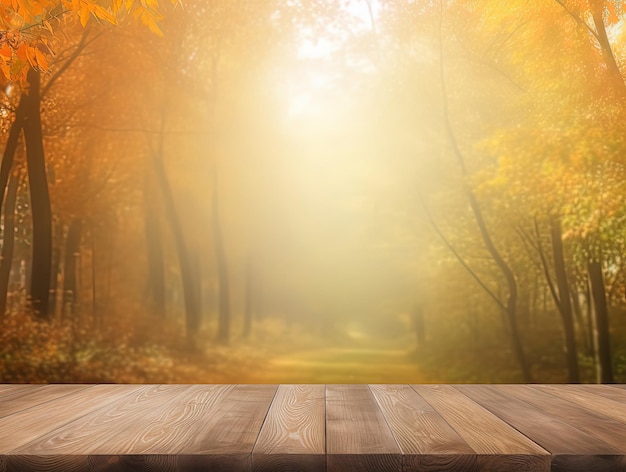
326 191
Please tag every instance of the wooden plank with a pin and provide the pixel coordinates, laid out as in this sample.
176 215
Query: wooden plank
572 450
485 433
554 435
357 435
606 391
35 396
7 390
45 463
609 431
581 396
27 425
293 434
116 429
426 440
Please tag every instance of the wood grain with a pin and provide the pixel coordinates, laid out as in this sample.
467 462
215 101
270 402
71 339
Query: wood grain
415 424
357 435
479 463
481 429
28 398
313 428
150 463
7 390
47 463
117 427
554 435
234 426
606 391
599 426
293 434
581 396
27 425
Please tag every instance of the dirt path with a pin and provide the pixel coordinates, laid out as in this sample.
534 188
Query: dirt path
354 364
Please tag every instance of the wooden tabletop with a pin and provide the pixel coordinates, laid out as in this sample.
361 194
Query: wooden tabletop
313 427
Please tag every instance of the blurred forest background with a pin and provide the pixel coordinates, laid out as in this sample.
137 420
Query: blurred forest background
313 191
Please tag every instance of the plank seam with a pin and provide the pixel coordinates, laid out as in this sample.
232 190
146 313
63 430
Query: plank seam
85 387
263 424
444 418
11 452
382 412
505 421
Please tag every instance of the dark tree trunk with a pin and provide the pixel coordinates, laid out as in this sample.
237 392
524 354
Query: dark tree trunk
39 199
602 322
8 241
563 303
11 146
192 309
223 331
70 282
590 329
154 246
578 317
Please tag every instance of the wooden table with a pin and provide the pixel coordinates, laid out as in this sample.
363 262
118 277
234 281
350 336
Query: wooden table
313 427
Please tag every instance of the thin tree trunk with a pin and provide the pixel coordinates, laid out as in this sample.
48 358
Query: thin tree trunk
602 321
590 325
223 332
55 267
597 11
507 273
154 246
39 198
192 310
578 316
8 241
70 285
11 146
95 312
563 303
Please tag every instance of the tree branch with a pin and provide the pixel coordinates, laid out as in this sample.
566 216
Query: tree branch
458 256
578 19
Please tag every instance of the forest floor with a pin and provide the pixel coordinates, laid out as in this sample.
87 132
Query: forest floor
350 364
275 355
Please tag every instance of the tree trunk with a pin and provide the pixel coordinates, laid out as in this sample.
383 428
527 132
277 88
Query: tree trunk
70 285
8 241
563 303
11 146
39 199
578 317
55 267
154 246
223 331
597 11
505 270
590 329
602 322
192 309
